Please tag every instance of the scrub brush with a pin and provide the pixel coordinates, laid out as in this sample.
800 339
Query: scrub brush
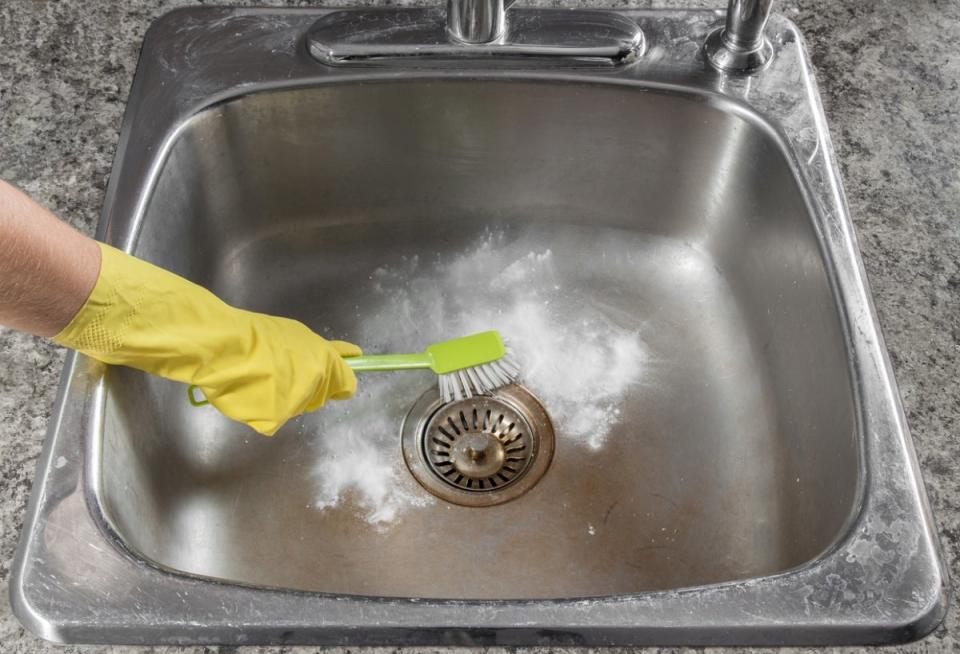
466 366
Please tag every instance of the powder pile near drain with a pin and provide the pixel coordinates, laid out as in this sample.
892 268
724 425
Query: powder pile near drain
576 357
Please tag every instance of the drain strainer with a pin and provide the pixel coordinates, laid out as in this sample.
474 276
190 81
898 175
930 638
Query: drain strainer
480 451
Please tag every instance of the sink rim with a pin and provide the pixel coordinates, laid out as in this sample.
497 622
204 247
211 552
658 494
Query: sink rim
648 618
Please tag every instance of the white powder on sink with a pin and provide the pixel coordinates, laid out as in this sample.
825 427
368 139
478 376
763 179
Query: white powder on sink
574 354
359 466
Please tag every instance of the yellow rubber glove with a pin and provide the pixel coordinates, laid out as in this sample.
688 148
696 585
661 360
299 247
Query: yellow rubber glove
261 370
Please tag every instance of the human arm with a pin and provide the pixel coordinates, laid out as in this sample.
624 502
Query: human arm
259 369
47 268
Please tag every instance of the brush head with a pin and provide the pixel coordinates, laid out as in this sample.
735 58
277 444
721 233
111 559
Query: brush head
472 365
466 352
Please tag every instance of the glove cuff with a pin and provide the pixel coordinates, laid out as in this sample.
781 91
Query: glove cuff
93 330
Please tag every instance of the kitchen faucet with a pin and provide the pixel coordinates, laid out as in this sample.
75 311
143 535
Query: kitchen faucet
486 28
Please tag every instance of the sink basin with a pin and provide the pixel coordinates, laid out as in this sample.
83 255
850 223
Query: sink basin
666 250
667 229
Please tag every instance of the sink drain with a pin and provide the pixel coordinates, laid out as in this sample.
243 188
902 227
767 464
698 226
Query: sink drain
480 451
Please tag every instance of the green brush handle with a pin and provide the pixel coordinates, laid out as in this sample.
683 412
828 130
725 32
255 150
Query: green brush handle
365 363
385 362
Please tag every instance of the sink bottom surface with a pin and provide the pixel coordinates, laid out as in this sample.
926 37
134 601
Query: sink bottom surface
665 472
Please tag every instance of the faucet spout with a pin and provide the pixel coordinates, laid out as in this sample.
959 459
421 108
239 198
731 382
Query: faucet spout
745 22
477 21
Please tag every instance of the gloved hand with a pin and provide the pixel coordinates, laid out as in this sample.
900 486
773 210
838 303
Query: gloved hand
261 370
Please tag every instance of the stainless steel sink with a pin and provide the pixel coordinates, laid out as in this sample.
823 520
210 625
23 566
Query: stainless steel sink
731 461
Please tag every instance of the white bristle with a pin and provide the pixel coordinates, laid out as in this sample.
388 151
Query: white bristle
510 366
464 384
445 391
482 374
499 371
475 381
479 380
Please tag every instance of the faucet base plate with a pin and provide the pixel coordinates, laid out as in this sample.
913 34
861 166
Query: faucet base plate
370 35
726 58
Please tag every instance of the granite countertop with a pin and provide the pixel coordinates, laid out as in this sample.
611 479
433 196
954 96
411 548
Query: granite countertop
889 72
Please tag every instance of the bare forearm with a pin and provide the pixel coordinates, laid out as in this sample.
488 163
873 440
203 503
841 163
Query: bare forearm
47 268
261 370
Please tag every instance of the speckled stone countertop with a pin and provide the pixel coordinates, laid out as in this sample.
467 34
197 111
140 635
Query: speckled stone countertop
889 72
